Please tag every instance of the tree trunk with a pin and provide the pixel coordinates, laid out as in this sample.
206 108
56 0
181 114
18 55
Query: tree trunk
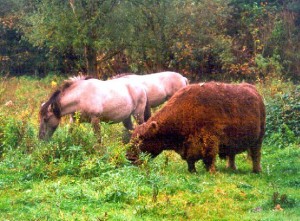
91 61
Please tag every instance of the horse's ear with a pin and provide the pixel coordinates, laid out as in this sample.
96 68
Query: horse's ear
49 107
153 127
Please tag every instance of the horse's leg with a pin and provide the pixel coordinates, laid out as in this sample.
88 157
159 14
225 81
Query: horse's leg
72 117
147 112
128 123
71 121
128 127
142 111
139 114
97 128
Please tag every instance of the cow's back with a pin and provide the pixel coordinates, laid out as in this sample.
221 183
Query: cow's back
234 112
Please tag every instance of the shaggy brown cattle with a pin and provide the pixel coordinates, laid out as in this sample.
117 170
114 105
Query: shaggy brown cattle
203 120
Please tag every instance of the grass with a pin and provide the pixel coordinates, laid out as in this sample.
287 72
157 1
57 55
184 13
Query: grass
158 191
74 178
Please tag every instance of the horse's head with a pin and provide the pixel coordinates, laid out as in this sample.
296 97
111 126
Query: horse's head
49 117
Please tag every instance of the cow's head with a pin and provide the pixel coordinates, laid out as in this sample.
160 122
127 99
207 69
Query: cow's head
141 141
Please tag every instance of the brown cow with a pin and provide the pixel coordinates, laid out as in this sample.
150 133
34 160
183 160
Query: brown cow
203 120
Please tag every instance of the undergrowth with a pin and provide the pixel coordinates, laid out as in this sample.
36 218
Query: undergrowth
74 177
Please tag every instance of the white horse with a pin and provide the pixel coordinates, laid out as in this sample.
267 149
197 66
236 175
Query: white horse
109 101
159 86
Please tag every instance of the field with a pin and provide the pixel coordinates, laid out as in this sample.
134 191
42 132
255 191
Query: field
72 177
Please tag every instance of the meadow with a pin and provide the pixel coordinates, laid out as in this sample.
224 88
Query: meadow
72 177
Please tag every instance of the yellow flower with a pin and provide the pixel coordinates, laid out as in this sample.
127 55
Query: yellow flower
53 84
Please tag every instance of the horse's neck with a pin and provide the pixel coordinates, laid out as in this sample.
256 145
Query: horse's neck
68 104
74 98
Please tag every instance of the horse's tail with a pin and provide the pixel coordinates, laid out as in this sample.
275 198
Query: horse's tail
147 112
186 81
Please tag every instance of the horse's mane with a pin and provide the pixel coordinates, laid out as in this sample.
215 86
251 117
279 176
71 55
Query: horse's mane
121 75
78 78
54 98
71 80
53 101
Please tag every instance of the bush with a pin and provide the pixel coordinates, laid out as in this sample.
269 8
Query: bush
12 133
283 116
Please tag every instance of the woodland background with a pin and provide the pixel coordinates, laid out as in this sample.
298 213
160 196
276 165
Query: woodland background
202 39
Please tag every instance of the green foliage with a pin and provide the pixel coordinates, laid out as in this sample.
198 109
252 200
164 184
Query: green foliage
232 39
11 133
186 36
73 177
269 67
73 31
16 134
283 116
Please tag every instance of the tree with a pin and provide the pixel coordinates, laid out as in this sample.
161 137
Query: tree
17 56
178 35
76 30
266 38
211 39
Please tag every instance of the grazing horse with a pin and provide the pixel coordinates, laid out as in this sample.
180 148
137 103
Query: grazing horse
159 86
109 101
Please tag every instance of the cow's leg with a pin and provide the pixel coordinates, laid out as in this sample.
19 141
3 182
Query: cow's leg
211 149
255 153
191 152
231 161
191 166
209 162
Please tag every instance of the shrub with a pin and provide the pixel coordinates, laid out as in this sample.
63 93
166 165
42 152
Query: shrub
283 116
10 133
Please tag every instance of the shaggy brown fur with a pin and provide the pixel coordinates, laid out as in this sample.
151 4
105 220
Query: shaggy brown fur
203 120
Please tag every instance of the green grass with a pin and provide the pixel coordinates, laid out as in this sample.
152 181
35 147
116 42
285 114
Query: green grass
156 190
74 178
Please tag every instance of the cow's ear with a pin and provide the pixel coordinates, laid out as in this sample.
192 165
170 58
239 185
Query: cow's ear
153 127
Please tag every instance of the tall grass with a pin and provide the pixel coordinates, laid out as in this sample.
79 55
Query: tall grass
72 177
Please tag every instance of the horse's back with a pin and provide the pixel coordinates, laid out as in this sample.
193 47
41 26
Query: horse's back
159 86
112 100
173 81
136 96
167 83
